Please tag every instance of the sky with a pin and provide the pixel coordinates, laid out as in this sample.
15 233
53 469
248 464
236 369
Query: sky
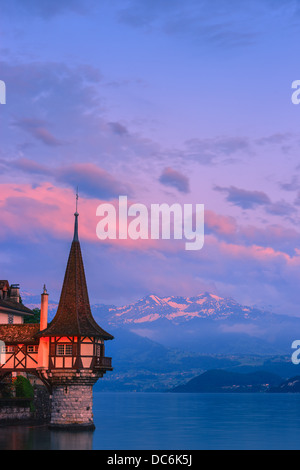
164 101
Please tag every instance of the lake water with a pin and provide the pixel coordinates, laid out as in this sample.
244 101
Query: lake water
161 421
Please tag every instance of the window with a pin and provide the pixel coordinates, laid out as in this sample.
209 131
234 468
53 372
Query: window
64 350
10 319
68 349
32 349
9 349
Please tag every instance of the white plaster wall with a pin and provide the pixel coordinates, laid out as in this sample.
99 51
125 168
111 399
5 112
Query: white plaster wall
4 319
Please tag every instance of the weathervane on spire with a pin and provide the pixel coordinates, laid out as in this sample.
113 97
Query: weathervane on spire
77 197
76 219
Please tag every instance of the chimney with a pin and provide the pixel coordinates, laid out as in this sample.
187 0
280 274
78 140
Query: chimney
15 293
44 310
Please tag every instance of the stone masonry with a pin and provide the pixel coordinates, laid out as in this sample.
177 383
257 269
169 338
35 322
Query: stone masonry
14 411
72 400
72 406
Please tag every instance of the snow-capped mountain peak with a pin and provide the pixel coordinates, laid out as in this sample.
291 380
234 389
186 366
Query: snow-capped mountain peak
180 309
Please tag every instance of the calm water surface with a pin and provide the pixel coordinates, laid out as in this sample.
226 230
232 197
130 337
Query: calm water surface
174 421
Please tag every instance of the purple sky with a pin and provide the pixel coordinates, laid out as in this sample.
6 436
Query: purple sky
166 101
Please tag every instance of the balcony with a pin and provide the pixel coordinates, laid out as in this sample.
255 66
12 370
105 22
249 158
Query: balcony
103 363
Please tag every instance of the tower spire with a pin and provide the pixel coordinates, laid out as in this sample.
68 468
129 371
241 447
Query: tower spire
74 316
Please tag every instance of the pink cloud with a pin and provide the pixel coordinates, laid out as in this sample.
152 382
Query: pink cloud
34 212
36 128
220 224
48 209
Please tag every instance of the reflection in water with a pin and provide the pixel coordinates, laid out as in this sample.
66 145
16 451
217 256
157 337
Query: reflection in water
41 438
166 421
63 440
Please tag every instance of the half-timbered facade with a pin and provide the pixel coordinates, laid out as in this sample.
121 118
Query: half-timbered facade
73 352
19 352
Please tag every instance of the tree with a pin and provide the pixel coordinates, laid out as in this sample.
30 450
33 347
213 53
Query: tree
23 387
35 318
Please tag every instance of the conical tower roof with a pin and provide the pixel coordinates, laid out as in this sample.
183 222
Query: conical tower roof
74 316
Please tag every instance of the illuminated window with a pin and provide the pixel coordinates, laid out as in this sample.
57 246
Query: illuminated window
64 350
60 350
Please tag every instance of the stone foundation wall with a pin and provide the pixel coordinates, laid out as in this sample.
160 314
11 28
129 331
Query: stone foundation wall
72 406
18 410
14 411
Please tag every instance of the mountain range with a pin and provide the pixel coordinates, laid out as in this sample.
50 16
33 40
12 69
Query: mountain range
178 310
162 342
206 324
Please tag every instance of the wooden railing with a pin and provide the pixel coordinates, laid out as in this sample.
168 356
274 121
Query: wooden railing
104 362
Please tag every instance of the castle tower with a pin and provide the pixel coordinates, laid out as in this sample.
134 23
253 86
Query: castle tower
76 352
